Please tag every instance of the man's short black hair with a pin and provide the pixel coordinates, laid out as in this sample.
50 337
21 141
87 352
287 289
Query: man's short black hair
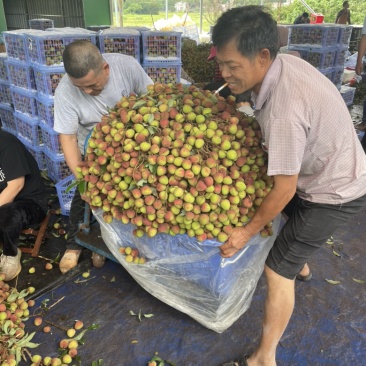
80 57
251 27
305 14
345 3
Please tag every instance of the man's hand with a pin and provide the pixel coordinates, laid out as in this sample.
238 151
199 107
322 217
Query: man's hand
236 241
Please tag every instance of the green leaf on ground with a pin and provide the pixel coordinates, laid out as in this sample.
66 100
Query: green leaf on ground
358 281
332 282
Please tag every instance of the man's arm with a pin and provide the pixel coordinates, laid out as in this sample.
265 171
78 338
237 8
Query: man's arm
12 190
276 200
361 52
71 150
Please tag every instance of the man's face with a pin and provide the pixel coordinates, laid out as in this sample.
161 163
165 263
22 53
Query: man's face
93 83
239 71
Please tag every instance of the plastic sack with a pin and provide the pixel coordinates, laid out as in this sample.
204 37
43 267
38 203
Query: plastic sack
191 276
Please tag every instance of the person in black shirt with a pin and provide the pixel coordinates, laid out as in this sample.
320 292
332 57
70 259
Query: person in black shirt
302 19
23 200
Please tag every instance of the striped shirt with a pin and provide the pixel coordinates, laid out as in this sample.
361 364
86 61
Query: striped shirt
307 130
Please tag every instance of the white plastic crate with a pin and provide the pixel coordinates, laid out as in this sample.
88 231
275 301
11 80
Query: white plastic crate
348 94
163 72
3 68
47 79
50 139
120 40
7 119
28 128
56 166
24 101
45 108
65 198
158 46
5 94
21 75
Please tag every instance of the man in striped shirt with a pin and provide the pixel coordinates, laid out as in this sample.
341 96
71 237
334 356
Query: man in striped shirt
317 162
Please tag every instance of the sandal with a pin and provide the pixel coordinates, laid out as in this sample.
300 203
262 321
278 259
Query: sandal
304 278
242 362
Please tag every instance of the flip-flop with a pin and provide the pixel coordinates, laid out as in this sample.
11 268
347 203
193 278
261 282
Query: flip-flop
242 362
304 278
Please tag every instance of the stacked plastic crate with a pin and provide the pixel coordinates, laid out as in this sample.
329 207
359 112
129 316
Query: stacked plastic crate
324 46
161 56
6 102
45 50
120 40
23 93
40 24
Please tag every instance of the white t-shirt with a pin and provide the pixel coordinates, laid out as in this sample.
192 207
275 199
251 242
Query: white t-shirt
77 112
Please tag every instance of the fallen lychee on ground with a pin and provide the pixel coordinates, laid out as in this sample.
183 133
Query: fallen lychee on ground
177 160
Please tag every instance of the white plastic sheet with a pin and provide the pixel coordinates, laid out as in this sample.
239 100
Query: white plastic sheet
191 276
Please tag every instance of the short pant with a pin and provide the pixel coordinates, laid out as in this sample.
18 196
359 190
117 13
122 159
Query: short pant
308 227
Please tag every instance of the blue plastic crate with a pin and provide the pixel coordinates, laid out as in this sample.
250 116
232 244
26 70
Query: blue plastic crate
319 58
21 75
328 73
24 101
7 119
340 56
45 108
313 35
3 68
28 128
56 166
344 36
15 44
161 46
41 23
163 72
5 94
97 28
348 94
47 79
50 139
36 151
337 76
47 48
120 40
65 198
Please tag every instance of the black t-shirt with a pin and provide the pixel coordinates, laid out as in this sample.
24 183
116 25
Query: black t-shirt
15 162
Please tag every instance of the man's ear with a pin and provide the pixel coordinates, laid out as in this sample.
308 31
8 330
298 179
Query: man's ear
264 57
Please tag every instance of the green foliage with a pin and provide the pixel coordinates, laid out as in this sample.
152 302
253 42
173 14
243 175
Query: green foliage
142 7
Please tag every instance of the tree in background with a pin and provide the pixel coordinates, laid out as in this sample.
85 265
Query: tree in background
143 7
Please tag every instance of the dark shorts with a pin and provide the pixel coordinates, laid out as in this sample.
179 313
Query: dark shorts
308 227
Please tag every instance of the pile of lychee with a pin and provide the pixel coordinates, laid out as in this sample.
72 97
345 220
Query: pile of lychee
177 160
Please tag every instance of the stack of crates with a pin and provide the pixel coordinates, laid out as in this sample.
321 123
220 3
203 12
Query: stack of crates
23 93
45 51
120 40
6 102
324 46
161 56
